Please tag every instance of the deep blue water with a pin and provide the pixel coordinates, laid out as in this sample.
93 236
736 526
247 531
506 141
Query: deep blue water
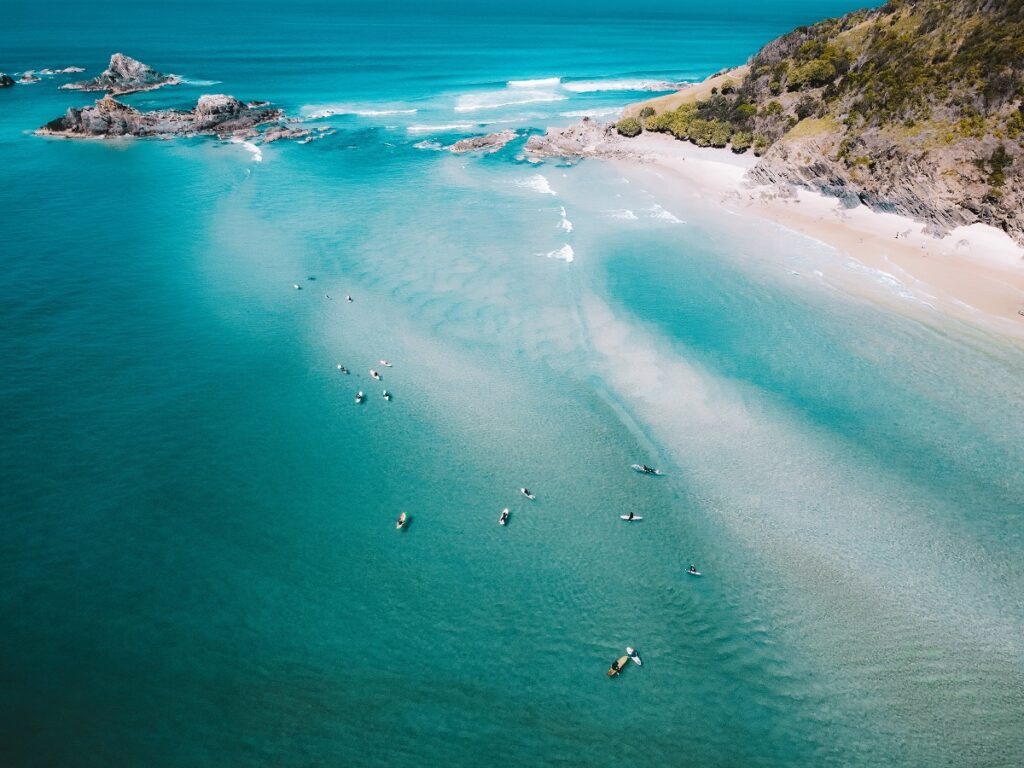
198 563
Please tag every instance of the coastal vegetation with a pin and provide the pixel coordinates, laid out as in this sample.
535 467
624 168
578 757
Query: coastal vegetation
914 106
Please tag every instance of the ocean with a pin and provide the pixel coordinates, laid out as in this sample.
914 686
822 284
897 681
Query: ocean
199 564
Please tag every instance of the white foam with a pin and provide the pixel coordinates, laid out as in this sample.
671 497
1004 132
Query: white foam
472 102
425 144
593 112
539 82
565 223
657 212
190 81
439 128
888 280
537 183
590 86
252 149
565 253
313 112
626 214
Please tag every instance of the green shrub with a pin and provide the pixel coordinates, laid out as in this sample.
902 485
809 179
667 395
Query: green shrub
742 141
659 123
629 126
814 73
646 112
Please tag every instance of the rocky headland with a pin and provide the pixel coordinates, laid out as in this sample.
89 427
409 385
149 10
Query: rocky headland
124 75
915 108
214 114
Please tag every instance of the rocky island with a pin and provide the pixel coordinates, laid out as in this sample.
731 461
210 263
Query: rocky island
6 81
913 108
124 75
214 114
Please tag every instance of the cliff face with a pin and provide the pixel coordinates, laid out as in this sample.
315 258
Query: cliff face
915 107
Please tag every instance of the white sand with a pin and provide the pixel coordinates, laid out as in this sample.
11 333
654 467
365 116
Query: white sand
975 273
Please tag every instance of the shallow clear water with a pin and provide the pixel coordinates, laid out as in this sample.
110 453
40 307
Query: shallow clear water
199 564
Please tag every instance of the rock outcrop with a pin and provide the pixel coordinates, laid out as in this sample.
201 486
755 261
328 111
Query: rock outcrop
487 144
125 75
944 187
587 137
29 77
6 81
215 114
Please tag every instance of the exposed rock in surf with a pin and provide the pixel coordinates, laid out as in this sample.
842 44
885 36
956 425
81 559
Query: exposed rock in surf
587 137
488 144
215 114
282 132
65 71
6 81
29 77
125 75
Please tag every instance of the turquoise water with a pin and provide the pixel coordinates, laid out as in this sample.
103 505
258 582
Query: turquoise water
199 565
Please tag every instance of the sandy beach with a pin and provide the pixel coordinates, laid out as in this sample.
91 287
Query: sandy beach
975 273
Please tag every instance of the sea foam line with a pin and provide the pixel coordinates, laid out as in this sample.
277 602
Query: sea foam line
538 82
537 182
591 86
565 223
473 102
439 128
252 149
318 113
565 253
657 212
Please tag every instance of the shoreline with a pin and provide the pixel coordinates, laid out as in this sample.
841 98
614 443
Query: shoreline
974 273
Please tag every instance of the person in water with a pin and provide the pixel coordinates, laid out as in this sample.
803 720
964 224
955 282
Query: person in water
693 568
630 516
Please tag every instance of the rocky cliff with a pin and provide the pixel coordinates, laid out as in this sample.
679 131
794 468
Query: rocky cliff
914 107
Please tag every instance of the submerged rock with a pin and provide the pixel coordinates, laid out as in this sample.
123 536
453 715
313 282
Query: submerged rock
214 114
490 143
125 75
6 81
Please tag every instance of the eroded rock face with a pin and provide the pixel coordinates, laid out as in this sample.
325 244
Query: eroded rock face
6 81
125 75
487 144
584 138
214 114
943 186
